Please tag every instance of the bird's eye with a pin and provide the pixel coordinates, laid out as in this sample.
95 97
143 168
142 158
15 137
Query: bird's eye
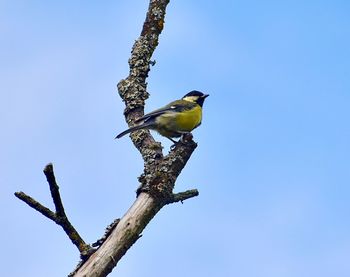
173 107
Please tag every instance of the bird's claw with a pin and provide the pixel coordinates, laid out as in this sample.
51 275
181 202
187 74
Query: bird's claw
174 145
185 138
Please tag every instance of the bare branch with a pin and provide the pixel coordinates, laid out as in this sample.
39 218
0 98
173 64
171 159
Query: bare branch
123 236
160 172
54 189
159 177
182 196
133 89
36 205
59 217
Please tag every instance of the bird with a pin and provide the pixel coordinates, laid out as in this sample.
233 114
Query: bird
175 119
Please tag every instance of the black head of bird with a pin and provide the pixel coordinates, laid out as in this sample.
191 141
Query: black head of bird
195 96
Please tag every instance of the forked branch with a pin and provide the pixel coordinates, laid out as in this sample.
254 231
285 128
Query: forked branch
59 216
160 172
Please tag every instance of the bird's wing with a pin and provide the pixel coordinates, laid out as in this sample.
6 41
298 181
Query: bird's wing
176 106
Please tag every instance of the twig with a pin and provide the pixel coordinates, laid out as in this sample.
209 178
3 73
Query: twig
59 217
54 189
182 196
36 205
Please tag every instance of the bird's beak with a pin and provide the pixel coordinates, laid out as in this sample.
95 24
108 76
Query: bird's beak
205 96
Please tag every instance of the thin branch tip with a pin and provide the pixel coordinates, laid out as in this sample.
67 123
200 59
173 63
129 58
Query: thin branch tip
31 202
49 165
48 168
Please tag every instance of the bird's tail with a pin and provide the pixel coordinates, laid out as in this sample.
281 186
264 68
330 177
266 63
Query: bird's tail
135 128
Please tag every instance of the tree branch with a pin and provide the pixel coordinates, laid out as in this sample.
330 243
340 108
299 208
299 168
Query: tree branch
182 196
59 217
159 175
133 89
122 237
36 205
54 189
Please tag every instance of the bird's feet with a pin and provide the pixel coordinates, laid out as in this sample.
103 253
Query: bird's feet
185 138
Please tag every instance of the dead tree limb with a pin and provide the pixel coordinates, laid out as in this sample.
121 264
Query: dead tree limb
59 217
160 172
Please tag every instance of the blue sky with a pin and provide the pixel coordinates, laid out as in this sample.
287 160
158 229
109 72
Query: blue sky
272 165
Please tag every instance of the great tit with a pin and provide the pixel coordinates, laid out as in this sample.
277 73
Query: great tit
175 119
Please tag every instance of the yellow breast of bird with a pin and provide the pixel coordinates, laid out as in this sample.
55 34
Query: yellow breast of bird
188 120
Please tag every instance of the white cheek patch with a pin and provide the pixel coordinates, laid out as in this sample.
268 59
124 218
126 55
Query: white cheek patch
191 98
